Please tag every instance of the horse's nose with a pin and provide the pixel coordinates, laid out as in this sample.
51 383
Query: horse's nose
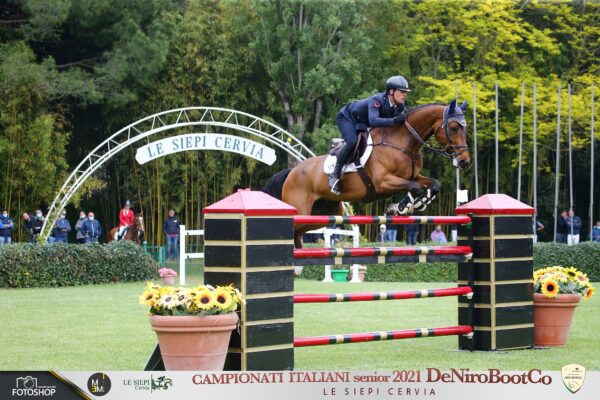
464 163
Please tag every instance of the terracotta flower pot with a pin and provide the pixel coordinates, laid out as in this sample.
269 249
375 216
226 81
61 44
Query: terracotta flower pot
192 343
552 318
169 279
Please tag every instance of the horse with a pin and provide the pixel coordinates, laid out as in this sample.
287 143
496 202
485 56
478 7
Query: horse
135 232
394 165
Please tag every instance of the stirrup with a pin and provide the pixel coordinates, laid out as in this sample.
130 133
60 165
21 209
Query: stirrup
335 186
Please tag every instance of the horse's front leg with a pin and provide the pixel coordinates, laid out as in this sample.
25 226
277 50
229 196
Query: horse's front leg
393 184
431 188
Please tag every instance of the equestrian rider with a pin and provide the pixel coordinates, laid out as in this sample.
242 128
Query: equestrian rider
125 219
382 109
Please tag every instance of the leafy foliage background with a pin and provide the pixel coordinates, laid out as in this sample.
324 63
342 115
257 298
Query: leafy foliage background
74 72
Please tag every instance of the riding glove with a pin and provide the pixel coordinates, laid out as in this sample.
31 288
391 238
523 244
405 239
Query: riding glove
401 118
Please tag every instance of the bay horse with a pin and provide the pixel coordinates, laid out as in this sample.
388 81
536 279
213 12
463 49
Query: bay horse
135 232
394 165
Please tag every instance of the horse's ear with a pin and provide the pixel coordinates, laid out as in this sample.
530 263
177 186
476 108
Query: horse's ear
464 105
452 106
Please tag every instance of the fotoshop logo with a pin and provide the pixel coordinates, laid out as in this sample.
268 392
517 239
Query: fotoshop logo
28 386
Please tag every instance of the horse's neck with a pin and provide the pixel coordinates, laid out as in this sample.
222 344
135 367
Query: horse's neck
422 121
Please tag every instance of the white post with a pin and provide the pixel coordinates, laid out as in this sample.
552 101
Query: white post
327 243
355 243
182 254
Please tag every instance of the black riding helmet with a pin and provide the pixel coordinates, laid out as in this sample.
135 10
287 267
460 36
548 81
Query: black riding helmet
398 82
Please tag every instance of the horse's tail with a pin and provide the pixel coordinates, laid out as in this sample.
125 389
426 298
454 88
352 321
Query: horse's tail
274 186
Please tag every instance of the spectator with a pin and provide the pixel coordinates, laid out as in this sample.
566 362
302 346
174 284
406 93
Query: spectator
539 226
28 226
6 227
91 229
37 224
392 229
336 237
171 230
596 232
411 233
382 233
561 227
79 236
573 228
438 236
61 229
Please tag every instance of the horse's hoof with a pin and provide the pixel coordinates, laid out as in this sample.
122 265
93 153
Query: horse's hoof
422 208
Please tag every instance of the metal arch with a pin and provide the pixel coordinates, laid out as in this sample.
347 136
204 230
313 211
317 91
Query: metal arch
153 124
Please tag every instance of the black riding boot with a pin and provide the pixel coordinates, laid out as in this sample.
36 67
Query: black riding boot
335 178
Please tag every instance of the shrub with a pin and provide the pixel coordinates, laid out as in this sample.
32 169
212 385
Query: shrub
60 264
584 256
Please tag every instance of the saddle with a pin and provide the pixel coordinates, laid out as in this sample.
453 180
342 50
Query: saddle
360 155
357 152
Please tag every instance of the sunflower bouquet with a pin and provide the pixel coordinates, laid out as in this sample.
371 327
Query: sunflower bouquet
201 300
552 281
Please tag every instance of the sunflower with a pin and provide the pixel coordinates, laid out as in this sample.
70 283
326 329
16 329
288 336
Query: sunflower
223 298
238 296
571 272
590 292
167 301
562 277
149 297
204 300
550 287
582 278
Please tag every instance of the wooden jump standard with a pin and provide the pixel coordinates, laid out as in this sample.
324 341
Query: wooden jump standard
249 242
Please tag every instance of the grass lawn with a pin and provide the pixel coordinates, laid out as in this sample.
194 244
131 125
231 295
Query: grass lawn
104 328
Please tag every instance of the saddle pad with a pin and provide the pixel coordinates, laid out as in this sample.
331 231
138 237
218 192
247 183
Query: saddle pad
329 163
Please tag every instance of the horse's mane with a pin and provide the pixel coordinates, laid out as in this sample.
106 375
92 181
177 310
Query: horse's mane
417 108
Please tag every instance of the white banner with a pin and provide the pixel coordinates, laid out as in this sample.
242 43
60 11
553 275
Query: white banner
429 383
205 141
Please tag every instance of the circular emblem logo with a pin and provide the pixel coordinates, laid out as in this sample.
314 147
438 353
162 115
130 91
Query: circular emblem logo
98 384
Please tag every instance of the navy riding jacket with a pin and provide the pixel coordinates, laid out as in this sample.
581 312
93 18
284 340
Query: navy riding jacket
372 112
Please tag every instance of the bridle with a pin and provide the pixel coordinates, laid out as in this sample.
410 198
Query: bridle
449 151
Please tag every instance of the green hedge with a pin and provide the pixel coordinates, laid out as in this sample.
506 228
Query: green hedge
585 256
60 264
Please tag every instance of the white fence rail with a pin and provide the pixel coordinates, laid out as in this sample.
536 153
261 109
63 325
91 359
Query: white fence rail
183 255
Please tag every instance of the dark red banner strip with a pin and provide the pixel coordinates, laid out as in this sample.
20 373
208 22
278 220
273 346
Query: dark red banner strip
376 336
375 296
365 219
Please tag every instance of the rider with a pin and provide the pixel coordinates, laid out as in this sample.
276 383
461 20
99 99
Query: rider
382 109
125 219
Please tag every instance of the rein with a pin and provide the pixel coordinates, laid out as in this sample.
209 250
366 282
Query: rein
446 153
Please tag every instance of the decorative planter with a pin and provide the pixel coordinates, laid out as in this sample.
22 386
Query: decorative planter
192 343
339 275
169 279
553 317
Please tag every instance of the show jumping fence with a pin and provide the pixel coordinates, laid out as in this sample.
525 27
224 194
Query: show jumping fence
249 242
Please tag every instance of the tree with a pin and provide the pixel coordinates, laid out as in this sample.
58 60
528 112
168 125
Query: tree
311 51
